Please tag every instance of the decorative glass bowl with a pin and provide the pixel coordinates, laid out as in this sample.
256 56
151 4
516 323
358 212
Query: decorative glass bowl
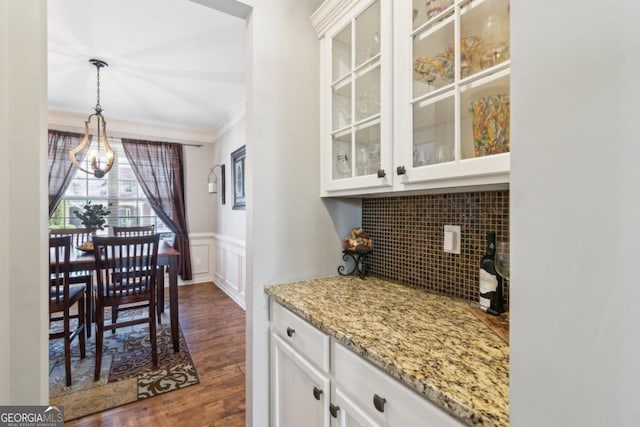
490 121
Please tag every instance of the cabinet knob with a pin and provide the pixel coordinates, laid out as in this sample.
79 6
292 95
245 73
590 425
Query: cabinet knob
379 402
333 409
316 393
381 173
400 170
290 332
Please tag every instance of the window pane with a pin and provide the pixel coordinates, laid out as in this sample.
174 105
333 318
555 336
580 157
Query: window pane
78 187
98 188
127 188
71 206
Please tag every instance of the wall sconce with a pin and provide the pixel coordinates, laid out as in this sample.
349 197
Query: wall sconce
213 185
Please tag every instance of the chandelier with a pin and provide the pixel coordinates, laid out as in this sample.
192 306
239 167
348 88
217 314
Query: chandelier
100 159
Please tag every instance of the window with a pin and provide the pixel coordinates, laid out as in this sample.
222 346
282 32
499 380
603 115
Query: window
119 190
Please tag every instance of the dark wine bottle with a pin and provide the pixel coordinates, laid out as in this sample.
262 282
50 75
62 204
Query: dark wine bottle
491 299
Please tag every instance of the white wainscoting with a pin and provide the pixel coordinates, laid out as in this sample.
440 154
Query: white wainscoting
221 260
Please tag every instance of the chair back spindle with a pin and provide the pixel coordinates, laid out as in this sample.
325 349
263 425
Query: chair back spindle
78 235
144 230
128 264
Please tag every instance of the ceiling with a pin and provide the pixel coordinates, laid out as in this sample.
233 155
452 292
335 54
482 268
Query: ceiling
174 63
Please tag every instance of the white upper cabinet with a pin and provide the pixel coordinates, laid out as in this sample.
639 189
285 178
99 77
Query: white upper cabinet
415 94
356 93
452 93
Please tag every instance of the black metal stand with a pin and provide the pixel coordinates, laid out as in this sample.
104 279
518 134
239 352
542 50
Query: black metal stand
359 259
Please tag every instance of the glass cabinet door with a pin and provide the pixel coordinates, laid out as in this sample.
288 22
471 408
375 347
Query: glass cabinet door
456 104
356 95
484 87
433 94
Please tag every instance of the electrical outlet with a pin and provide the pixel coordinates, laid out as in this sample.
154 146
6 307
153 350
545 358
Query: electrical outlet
451 242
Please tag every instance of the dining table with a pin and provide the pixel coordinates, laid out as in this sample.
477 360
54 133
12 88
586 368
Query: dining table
167 257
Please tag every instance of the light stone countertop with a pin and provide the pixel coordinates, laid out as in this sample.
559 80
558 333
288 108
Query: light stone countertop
432 343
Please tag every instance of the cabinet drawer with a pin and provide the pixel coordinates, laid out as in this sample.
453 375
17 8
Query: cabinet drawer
304 338
383 396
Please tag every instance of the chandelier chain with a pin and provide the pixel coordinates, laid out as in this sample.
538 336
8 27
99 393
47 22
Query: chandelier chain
98 106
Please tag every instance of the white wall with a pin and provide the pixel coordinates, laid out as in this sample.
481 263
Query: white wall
197 163
290 233
229 225
5 226
24 335
575 322
228 222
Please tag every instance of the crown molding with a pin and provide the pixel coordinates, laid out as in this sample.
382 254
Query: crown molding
232 118
329 12
74 122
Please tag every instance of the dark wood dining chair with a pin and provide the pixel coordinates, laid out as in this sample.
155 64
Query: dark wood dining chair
62 297
126 270
145 230
79 236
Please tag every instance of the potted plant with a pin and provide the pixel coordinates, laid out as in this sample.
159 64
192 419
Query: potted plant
93 217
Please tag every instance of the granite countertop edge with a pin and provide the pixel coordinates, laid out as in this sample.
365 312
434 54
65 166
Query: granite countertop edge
424 388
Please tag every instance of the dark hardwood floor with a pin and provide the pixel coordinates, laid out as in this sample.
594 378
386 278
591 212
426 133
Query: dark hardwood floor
214 327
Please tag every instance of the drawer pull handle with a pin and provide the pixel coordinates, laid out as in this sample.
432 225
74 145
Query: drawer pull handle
379 402
316 393
290 332
333 409
401 170
381 173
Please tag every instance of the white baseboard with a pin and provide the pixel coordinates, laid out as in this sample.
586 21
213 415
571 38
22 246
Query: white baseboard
232 294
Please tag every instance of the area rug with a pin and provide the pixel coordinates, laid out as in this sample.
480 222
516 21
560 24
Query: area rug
127 375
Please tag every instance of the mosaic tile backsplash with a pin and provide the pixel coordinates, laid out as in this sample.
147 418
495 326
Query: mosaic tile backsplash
408 235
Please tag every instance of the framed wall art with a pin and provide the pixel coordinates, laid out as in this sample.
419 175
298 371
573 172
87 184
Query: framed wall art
237 162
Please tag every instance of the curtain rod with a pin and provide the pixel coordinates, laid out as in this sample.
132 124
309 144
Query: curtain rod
170 142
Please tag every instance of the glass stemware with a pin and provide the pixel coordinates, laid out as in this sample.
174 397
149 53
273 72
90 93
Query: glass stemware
496 39
502 259
343 164
362 160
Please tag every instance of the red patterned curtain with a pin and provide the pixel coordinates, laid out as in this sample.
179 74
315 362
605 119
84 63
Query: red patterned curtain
159 168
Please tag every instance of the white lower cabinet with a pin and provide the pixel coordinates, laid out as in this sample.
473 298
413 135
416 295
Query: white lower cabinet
346 413
299 392
380 397
307 390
